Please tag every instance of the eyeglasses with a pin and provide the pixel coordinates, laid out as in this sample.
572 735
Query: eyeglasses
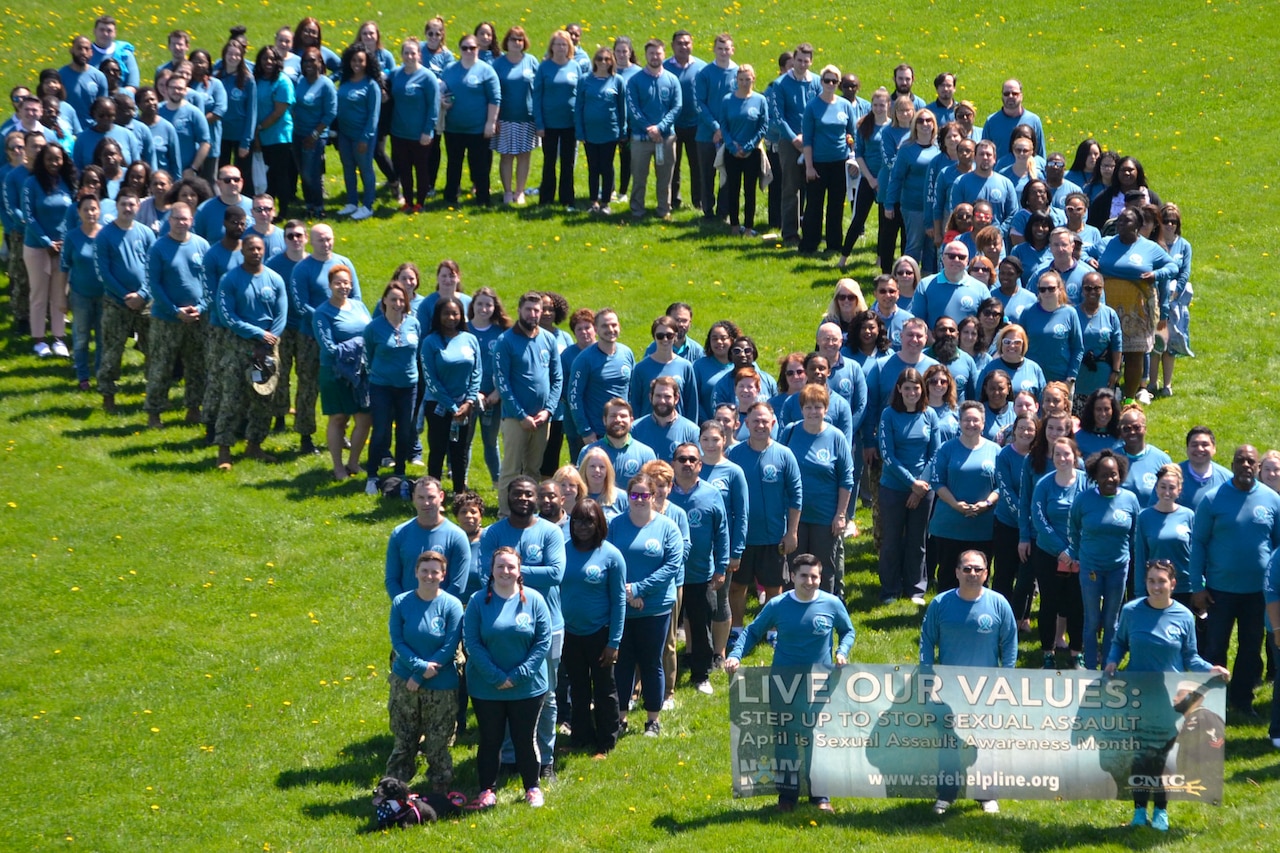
829 81
1092 288
468 47
435 33
686 460
1171 221
1056 163
799 372
230 180
740 350
973 570
845 297
17 148
1047 289
992 313
641 496
295 235
939 380
904 274
1012 93
263 208
665 336
956 256
1011 342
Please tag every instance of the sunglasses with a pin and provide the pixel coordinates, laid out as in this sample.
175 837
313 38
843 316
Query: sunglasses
230 180
956 256
973 570
827 81
799 372
740 351
664 336
1092 288
991 313
263 208
641 496
469 47
1171 221
686 460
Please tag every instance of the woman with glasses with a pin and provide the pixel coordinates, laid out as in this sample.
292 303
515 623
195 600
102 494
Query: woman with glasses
1158 635
907 192
828 125
1101 341
664 362
1053 331
941 396
1076 207
791 380
594 600
1175 299
653 550
1011 348
555 94
846 304
517 134
470 97
906 272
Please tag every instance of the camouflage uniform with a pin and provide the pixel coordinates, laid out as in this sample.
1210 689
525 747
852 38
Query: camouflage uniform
238 397
119 323
168 341
288 348
307 365
215 344
19 283
423 721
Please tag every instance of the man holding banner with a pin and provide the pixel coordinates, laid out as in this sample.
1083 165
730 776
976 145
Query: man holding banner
968 626
805 620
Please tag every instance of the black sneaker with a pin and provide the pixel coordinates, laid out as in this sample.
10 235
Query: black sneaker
652 729
547 773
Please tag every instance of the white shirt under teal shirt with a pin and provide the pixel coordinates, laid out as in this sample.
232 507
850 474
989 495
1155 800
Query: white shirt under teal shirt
805 630
956 632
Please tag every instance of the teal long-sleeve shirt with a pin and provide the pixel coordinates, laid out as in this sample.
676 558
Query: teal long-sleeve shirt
175 274
253 304
1101 530
1234 535
424 632
507 639
526 373
122 257
451 369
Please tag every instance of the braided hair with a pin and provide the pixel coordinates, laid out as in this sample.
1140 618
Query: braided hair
503 549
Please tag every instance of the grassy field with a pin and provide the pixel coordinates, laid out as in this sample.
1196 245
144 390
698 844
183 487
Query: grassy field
196 661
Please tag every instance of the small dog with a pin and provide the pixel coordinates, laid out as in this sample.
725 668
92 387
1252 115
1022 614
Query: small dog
395 805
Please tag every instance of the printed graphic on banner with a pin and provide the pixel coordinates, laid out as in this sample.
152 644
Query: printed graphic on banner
976 733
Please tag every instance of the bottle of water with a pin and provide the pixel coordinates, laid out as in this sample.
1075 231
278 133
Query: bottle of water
454 431
660 154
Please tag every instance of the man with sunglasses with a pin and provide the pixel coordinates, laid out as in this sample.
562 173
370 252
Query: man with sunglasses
952 292
968 626
705 567
209 214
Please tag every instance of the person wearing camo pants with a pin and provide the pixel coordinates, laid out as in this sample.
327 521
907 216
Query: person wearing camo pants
179 316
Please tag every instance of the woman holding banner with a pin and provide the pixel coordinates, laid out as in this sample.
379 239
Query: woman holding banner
1159 635
799 617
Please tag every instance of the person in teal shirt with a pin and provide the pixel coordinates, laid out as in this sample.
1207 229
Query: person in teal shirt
450 357
274 130
426 628
391 354
359 105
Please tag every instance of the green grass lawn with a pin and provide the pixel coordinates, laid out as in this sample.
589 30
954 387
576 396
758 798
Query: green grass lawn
197 661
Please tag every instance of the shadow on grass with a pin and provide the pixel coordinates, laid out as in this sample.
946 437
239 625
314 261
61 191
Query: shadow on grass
110 430
361 764
79 412
966 821
898 621
172 444
312 484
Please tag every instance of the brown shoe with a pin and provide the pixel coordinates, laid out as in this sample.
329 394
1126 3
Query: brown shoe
193 415
254 451
109 403
153 421
224 458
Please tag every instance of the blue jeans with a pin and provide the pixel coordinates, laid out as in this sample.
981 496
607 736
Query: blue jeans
1102 594
311 172
643 639
490 426
87 314
352 161
390 406
919 246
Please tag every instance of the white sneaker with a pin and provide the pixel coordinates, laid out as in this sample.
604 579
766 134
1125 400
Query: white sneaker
362 212
42 349
534 798
668 704
1144 397
990 807
940 807
371 487
705 688
1275 741
60 349
917 600
347 210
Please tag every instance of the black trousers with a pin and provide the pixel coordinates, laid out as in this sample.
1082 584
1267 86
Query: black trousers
741 174
440 444
493 718
475 148
593 691
412 162
558 144
828 186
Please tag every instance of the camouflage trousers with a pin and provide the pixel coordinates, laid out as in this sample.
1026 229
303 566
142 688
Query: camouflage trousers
422 721
170 339
216 340
301 354
19 282
238 397
118 325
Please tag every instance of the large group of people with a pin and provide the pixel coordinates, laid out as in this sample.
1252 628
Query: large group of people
987 402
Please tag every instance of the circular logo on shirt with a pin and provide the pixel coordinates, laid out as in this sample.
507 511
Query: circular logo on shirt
1149 480
411 338
966 302
572 76
197 258
593 574
1121 516
844 386
1027 385
770 473
630 467
625 372
842 116
468 351
1183 531
753 113
492 345
544 357
822 624
1059 330
524 622
652 547
822 455
532 552
986 623
1135 259
268 292
1174 633
1263 514
528 74
721 484
695 518
436 625
996 195
411 88
988 467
